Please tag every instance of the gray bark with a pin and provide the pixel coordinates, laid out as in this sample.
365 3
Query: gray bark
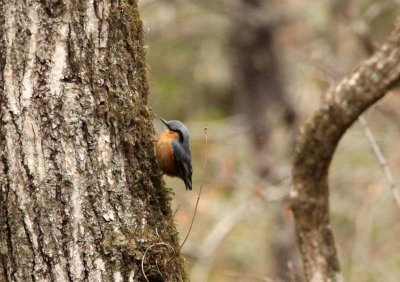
81 194
315 148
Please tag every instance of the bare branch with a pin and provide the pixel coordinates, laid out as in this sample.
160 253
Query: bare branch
381 159
216 235
315 148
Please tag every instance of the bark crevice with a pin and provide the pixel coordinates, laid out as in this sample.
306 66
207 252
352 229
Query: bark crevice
81 193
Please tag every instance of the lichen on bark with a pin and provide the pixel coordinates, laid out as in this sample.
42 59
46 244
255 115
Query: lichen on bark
81 194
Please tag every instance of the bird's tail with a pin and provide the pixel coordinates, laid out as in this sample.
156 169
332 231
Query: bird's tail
188 183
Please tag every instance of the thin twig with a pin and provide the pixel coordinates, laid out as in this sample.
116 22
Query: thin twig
381 159
144 255
177 208
201 188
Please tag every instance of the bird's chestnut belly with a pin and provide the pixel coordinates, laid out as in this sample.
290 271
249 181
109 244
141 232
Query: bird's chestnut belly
165 158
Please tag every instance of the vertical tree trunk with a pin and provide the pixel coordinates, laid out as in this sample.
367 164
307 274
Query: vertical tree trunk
259 84
260 88
81 194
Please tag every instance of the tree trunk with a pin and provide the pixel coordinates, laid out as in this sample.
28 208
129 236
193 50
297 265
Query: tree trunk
259 86
81 194
316 146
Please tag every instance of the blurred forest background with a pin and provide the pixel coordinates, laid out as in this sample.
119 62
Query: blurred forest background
252 71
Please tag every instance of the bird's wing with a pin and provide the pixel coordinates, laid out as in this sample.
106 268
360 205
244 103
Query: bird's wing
183 163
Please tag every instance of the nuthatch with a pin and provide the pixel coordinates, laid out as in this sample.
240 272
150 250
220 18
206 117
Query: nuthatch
173 153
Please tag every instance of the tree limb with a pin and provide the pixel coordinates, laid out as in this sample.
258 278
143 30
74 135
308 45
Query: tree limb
315 148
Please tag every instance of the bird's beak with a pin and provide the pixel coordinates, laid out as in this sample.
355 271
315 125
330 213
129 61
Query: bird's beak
164 122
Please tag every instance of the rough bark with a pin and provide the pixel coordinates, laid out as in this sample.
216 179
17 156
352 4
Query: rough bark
315 148
81 194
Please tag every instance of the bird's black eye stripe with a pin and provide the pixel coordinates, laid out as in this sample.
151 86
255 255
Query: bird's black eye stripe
180 135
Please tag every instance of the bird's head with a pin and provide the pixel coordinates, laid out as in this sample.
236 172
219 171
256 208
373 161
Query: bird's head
178 127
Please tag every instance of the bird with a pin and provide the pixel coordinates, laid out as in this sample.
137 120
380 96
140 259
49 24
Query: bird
173 152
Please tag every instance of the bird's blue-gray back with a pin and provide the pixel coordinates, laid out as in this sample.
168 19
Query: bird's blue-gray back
183 162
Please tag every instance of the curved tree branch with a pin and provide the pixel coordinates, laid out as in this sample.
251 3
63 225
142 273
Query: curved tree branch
315 148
